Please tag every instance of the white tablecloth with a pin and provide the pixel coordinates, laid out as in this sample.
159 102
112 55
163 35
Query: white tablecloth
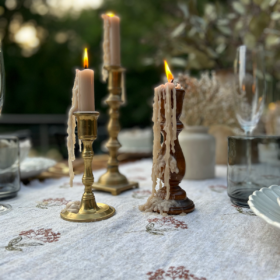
216 241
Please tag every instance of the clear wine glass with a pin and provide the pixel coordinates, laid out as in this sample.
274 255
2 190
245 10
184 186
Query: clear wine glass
249 97
250 87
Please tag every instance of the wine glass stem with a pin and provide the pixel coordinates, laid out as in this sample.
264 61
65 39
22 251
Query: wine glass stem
249 153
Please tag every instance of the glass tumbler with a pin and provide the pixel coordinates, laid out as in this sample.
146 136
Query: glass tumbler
265 166
2 78
9 166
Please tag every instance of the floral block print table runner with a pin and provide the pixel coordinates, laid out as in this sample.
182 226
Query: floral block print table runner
216 241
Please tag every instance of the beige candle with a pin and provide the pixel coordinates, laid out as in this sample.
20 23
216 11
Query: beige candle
82 100
111 41
115 57
86 87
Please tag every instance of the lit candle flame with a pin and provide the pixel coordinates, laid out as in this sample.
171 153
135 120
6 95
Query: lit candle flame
85 59
168 72
110 14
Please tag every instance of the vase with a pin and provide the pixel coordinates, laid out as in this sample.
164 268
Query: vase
199 151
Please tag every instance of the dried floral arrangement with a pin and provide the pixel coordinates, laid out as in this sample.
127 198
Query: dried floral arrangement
272 119
208 101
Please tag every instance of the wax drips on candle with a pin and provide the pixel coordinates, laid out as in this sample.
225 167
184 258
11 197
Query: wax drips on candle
164 162
168 130
123 97
106 46
72 206
71 139
157 136
156 204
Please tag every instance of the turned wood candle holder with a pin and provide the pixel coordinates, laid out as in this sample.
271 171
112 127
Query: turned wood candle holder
185 205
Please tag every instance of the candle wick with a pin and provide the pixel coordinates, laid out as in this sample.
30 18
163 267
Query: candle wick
172 81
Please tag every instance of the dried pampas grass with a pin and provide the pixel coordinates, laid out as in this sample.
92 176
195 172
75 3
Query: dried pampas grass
208 101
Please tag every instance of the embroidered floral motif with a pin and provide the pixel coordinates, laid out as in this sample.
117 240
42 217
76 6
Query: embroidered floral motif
218 188
141 194
245 211
44 235
173 273
15 244
158 226
50 202
23 240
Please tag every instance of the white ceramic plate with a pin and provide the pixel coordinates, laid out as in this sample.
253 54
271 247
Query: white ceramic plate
32 167
264 204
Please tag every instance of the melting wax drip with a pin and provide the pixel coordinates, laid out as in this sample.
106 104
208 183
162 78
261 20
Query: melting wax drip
71 139
106 46
163 94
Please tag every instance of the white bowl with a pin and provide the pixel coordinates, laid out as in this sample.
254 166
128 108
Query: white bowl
278 200
32 167
265 205
24 147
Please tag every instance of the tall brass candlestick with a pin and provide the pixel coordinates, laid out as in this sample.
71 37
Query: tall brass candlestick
113 181
89 211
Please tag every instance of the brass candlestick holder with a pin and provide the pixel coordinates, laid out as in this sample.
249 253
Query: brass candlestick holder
113 181
89 211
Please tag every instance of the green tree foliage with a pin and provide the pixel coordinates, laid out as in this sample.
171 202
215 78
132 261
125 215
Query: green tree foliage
41 81
208 33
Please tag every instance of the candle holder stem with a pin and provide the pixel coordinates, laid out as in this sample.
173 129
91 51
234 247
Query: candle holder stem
113 181
177 194
89 211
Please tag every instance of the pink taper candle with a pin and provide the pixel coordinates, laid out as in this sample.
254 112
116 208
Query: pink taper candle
111 44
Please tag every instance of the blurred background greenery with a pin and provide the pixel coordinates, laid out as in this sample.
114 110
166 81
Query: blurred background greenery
43 42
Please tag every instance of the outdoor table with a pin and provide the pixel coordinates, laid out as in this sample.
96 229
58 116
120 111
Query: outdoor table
216 241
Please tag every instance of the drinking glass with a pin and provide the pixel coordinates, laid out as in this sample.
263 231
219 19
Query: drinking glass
249 87
5 189
265 166
249 96
9 169
2 78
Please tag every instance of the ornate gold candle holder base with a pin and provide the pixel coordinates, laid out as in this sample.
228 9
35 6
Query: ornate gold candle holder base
113 181
100 212
89 211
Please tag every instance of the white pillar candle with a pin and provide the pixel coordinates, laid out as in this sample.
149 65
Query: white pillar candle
82 100
86 87
115 56
111 41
